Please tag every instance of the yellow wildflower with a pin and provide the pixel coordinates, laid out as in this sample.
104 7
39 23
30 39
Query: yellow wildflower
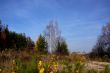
41 70
39 64
55 66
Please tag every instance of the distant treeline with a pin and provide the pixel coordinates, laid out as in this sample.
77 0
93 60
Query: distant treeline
12 40
49 42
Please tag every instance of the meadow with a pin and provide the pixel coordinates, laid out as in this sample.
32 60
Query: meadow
50 36
27 61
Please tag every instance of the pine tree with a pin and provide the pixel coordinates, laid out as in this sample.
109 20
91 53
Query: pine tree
41 45
62 48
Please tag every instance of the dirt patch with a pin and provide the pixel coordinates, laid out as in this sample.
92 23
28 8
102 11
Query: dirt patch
96 65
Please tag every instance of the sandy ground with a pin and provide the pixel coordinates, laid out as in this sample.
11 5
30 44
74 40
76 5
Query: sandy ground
96 65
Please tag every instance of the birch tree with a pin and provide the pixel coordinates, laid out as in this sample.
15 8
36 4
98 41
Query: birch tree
52 32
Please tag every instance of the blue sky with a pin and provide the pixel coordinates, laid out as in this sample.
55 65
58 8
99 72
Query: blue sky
80 21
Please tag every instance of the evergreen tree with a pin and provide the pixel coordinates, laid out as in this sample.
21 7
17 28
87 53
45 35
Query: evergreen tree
13 40
62 47
41 45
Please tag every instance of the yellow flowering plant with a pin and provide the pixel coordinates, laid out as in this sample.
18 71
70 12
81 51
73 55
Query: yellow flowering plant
55 66
40 67
41 70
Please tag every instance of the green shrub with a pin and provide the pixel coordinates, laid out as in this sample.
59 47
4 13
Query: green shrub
78 67
27 67
107 69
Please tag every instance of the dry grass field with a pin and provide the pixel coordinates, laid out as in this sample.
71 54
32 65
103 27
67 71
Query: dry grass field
30 62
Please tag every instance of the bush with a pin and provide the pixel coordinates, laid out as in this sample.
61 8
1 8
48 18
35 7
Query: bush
78 67
107 69
27 67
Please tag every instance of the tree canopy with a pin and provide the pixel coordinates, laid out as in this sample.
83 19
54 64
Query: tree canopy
41 45
102 46
62 47
13 40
